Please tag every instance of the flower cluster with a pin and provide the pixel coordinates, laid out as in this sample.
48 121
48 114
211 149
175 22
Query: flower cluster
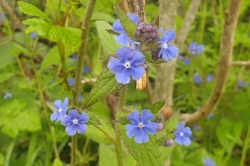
73 122
131 58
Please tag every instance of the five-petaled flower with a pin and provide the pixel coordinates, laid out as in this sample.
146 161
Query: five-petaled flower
197 78
75 123
168 51
141 125
129 63
208 162
123 38
196 49
182 134
61 109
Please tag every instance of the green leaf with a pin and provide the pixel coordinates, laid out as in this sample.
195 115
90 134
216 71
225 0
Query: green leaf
1 159
128 25
32 10
57 162
96 132
108 42
106 84
6 76
107 155
156 107
93 119
146 154
172 122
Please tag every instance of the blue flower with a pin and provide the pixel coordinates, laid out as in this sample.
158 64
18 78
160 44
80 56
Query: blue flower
196 127
75 57
123 38
182 134
2 17
86 69
7 95
71 81
197 78
75 123
33 35
168 51
61 109
208 162
187 61
141 125
79 97
196 49
211 115
210 77
240 83
130 63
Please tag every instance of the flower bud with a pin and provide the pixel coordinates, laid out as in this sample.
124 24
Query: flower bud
147 33
160 126
168 142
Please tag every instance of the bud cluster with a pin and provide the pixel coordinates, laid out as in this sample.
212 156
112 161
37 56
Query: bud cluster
147 33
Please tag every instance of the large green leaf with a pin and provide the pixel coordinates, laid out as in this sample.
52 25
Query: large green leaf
156 107
108 42
107 155
32 10
146 154
128 25
6 76
106 84
172 122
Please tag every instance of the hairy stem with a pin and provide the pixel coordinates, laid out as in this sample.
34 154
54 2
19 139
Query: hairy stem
73 150
245 148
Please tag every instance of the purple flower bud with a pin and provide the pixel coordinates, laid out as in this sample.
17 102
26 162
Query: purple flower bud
169 142
147 33
160 126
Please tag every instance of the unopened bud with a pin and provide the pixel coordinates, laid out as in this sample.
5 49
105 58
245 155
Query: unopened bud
160 126
147 33
168 142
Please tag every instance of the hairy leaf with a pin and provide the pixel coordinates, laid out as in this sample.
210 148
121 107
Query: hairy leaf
156 107
172 122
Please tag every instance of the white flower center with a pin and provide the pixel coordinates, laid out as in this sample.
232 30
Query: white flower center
75 121
165 45
181 134
140 125
60 110
127 65
193 52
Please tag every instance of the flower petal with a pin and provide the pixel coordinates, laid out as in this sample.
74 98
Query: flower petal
150 127
124 53
199 49
115 65
137 58
81 128
181 125
66 102
122 77
141 136
58 104
168 36
193 46
136 72
122 39
66 120
117 27
134 117
83 118
179 140
134 18
172 52
131 130
186 141
54 116
165 55
71 130
146 116
73 113
187 131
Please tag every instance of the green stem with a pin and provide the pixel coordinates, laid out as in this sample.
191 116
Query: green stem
245 148
106 134
9 152
73 150
85 32
51 10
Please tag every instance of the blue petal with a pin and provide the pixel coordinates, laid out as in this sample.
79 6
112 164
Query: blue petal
122 77
187 131
66 102
58 104
136 72
60 117
172 52
178 140
73 114
54 116
124 53
117 27
165 55
81 128
66 121
115 65
199 49
150 127
134 18
131 130
193 46
168 36
137 58
71 130
177 132
83 118
186 141
134 117
181 125
146 115
141 136
122 39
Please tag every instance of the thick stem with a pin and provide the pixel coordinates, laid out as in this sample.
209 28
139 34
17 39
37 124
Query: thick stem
226 50
82 50
73 150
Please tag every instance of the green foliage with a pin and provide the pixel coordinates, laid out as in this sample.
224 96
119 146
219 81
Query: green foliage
6 76
172 122
107 155
156 107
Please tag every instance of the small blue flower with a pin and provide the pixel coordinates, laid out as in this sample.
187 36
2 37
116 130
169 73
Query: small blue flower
61 109
86 69
7 95
168 51
79 97
141 125
210 77
71 81
211 115
197 78
123 38
240 83
129 63
187 61
2 17
196 49
75 57
75 123
183 134
196 127
208 162
33 35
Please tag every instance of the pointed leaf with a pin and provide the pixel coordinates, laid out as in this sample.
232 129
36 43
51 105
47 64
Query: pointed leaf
156 107
6 76
172 122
